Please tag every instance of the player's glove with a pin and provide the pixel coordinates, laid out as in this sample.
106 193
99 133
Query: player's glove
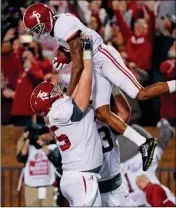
87 46
57 67
86 42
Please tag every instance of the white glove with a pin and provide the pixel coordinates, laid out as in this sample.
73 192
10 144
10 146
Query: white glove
57 67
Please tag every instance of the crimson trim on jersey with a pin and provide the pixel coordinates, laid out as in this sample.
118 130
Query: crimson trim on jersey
107 54
85 185
53 128
72 36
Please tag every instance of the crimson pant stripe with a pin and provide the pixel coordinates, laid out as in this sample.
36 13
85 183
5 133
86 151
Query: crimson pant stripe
84 181
107 54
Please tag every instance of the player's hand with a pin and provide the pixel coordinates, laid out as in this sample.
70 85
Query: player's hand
58 66
86 42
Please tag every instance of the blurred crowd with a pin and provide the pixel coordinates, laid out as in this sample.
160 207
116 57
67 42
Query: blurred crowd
144 32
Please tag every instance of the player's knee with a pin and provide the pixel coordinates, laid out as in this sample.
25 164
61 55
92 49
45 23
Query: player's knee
102 113
142 94
125 116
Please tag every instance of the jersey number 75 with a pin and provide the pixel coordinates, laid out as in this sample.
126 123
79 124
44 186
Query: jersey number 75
62 138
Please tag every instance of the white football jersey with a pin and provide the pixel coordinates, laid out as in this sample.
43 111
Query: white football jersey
79 142
108 65
111 152
133 168
67 25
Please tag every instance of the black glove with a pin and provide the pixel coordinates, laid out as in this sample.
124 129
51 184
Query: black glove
87 44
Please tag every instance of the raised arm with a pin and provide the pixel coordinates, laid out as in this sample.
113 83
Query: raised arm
77 65
123 25
84 88
150 19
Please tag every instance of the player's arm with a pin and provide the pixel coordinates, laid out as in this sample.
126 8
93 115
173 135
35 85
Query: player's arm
77 65
84 88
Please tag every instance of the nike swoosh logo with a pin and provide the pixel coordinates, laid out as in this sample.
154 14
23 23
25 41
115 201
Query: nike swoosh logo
126 196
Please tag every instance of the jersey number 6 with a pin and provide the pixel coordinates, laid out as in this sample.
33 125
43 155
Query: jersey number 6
61 138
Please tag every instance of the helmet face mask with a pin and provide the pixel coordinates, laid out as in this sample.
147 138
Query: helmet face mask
37 31
57 91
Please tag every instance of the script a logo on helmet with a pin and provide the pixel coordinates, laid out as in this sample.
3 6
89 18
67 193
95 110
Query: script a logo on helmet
37 15
42 95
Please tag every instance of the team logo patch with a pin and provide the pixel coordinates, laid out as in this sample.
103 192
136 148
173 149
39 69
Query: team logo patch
37 15
42 95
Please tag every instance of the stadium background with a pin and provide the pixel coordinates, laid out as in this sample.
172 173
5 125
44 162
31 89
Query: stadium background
98 15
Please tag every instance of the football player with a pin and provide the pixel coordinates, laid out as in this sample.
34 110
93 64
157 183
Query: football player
113 192
72 123
131 165
109 68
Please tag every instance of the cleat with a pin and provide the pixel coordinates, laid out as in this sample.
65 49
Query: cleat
147 151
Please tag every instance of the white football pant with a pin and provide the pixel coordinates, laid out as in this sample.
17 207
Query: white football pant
119 197
80 188
109 69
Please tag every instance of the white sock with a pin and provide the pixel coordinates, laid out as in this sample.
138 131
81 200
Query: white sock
134 136
172 86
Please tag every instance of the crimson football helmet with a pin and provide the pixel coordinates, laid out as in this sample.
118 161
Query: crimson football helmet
43 97
38 20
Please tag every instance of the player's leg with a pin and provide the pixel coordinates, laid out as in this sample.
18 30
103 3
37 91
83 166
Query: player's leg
72 188
119 197
120 106
126 80
108 200
80 188
101 100
101 94
123 197
97 201
156 89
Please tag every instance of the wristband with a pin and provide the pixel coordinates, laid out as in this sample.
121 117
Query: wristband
172 86
87 55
